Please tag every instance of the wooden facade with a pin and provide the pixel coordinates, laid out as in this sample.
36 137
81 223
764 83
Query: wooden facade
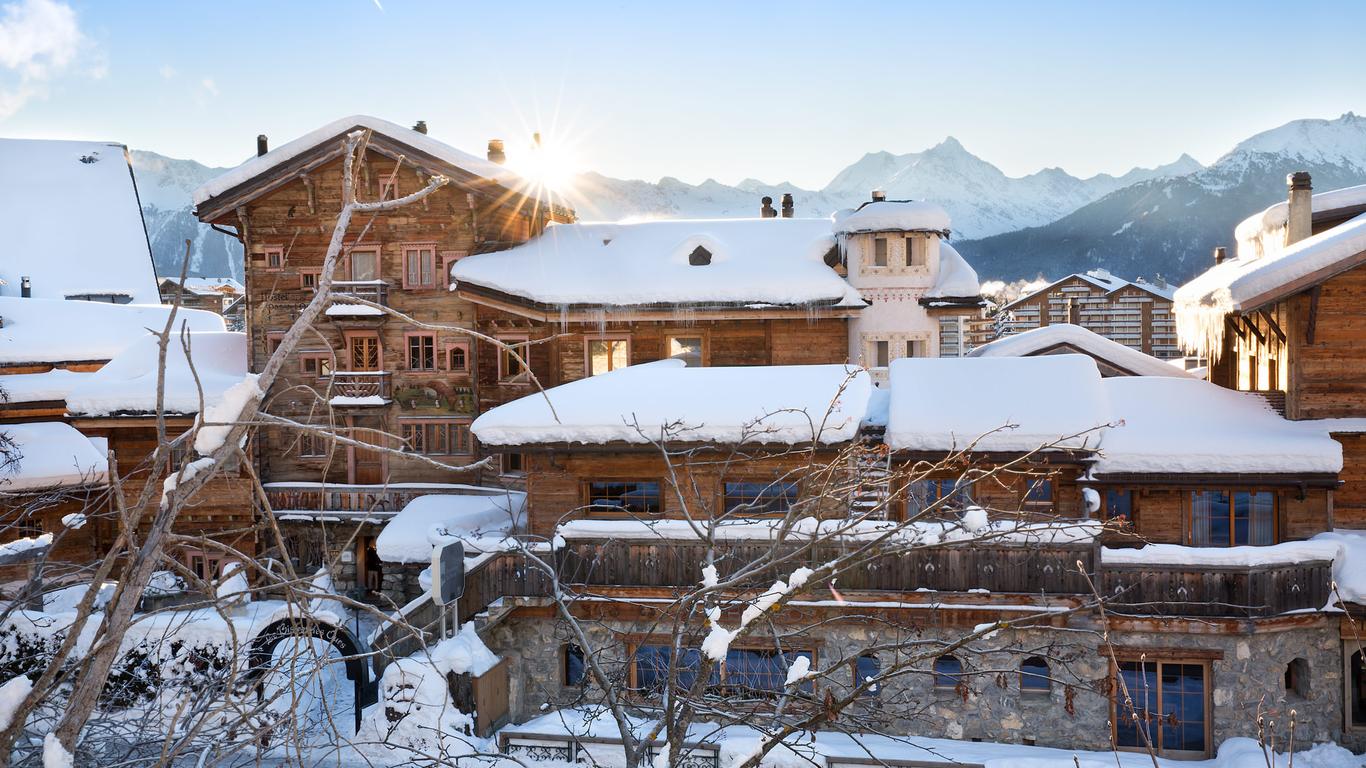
1137 315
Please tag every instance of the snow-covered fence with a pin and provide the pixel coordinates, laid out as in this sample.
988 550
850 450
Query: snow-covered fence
596 750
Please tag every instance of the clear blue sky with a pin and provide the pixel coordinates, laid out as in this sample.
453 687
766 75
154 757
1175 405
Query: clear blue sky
781 91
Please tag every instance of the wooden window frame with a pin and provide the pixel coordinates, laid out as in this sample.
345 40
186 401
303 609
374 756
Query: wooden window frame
406 250
447 259
503 468
588 353
924 242
347 337
320 357
454 446
1188 513
213 562
634 644
276 251
605 512
1047 690
1165 658
313 446
515 340
959 678
685 333
378 250
273 341
469 361
724 497
408 338
1031 482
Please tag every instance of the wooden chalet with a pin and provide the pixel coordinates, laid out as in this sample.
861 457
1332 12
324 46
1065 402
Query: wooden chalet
215 294
1137 313
1112 358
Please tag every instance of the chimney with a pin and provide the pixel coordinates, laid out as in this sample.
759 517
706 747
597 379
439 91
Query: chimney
262 146
879 196
1300 223
536 139
496 151
26 287
1220 254
766 211
787 205
421 127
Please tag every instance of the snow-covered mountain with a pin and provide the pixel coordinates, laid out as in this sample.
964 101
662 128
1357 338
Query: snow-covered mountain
164 187
1169 226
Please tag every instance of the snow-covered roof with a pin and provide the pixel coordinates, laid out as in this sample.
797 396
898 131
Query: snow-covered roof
1246 283
893 216
256 166
755 404
752 261
207 286
438 519
1264 232
56 330
128 383
956 278
1102 279
70 221
36 387
995 404
1183 425
52 455
1050 337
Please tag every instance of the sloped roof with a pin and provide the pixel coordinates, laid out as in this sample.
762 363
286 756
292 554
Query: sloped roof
749 262
128 382
52 455
1042 340
71 222
956 278
57 331
893 216
207 286
1103 280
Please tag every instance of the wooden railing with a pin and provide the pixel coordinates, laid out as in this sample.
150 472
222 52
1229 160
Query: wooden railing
360 384
1207 590
351 498
376 291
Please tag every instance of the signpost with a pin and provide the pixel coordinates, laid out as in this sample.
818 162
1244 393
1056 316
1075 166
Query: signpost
448 577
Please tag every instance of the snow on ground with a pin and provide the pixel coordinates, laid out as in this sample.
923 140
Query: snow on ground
438 519
666 400
648 262
105 252
52 454
57 331
1041 340
893 216
128 382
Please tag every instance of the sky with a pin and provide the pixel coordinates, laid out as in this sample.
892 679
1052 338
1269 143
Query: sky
778 91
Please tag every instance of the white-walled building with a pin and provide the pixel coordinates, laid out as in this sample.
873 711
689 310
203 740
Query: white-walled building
921 294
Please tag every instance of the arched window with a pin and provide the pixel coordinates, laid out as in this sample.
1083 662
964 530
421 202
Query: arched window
1297 678
948 670
1034 677
867 666
700 257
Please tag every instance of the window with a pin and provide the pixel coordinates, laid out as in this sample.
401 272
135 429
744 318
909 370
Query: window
448 259
760 498
436 437
633 496
362 352
915 348
308 279
1169 706
1034 675
607 355
317 364
275 257
867 667
688 349
421 352
1226 518
925 492
1119 505
313 445
512 464
458 357
419 266
273 341
1357 695
364 264
204 565
948 672
700 257
1040 491
744 671
574 668
882 354
880 252
1297 678
509 367
915 251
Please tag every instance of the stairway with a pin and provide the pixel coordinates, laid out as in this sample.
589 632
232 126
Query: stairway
871 472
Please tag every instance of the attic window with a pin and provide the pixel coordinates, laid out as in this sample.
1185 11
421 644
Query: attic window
700 257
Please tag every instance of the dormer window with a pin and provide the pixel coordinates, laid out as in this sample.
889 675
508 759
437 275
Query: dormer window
700 257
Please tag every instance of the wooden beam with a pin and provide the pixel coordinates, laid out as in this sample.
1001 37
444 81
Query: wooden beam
1313 313
1252 326
1273 325
1234 326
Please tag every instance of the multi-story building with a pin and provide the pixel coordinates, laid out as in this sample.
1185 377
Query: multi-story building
215 294
1137 313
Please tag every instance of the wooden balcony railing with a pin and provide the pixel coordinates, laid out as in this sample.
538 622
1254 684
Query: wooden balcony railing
1207 590
376 291
351 498
360 384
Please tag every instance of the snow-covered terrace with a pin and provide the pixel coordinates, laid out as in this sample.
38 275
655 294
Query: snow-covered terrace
749 264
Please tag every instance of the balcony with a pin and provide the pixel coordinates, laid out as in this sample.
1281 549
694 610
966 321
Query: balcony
360 388
374 291
1245 591
302 497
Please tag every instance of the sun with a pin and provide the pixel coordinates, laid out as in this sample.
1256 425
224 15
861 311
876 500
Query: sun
549 164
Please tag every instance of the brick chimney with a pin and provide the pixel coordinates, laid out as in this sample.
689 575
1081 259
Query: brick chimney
421 127
787 205
1220 253
879 196
1299 225
496 154
766 209
262 145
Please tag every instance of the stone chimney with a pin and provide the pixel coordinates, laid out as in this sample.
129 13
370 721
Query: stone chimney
1220 254
262 145
879 196
421 127
1299 225
766 210
496 154
787 205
